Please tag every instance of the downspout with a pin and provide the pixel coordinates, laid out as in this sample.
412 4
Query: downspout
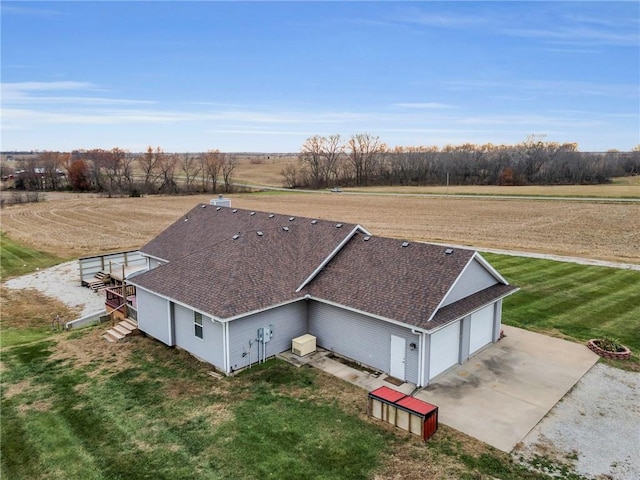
227 359
420 355
423 354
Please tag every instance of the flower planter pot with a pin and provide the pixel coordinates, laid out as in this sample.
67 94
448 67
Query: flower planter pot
620 355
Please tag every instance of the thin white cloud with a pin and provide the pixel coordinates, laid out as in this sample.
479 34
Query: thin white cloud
549 87
30 93
29 10
45 86
424 105
576 36
440 19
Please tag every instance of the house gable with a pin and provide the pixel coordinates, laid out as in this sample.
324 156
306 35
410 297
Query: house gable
472 279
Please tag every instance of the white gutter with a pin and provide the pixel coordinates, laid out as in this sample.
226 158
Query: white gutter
182 304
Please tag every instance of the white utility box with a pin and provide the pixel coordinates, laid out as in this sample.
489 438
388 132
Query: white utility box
303 345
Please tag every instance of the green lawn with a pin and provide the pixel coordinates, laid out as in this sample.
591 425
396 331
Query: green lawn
16 259
162 417
576 301
75 408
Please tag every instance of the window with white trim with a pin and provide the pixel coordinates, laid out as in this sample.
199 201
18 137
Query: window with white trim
197 323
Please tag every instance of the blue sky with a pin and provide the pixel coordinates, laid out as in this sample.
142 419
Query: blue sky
264 76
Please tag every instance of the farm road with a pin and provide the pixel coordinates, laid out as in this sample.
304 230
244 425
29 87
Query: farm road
557 258
447 195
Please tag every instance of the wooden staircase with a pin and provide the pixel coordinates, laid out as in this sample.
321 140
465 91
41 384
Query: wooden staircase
99 281
121 330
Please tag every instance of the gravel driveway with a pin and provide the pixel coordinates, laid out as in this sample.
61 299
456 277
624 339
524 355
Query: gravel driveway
61 282
594 429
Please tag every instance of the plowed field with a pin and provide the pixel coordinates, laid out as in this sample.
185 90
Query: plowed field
75 225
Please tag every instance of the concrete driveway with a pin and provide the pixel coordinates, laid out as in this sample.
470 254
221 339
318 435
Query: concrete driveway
501 393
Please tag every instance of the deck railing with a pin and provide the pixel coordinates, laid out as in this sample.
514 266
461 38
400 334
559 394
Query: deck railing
118 296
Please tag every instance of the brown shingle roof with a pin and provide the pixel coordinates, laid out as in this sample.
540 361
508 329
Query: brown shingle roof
225 277
468 304
382 277
205 227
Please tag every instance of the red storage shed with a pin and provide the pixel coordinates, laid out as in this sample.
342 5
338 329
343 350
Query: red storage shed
405 412
416 416
381 403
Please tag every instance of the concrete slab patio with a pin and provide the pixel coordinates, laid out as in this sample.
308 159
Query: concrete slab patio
501 393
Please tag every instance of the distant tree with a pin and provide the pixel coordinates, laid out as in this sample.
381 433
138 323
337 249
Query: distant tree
228 166
167 170
364 152
191 166
49 169
79 175
311 160
291 175
211 167
149 163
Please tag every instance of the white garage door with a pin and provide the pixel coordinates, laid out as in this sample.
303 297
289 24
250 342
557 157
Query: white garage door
481 329
445 349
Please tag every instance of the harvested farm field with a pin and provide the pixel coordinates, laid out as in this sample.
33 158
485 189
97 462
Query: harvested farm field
76 225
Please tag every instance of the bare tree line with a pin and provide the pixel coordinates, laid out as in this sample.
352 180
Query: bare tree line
361 160
117 172
364 159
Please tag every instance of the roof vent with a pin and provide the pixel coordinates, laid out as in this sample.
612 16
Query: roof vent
235 210
271 215
286 229
291 219
405 244
338 225
203 206
367 238
218 209
448 251
252 213
313 222
236 236
259 233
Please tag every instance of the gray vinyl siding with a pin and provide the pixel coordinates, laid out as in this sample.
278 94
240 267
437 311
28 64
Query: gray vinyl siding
153 315
474 279
210 347
364 339
153 263
289 321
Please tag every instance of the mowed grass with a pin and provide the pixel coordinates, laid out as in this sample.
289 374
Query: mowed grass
17 259
575 301
160 416
75 407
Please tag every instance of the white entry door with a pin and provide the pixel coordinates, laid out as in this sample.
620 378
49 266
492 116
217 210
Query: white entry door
398 348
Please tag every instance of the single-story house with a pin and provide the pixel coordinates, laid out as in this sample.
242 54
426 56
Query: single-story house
234 286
